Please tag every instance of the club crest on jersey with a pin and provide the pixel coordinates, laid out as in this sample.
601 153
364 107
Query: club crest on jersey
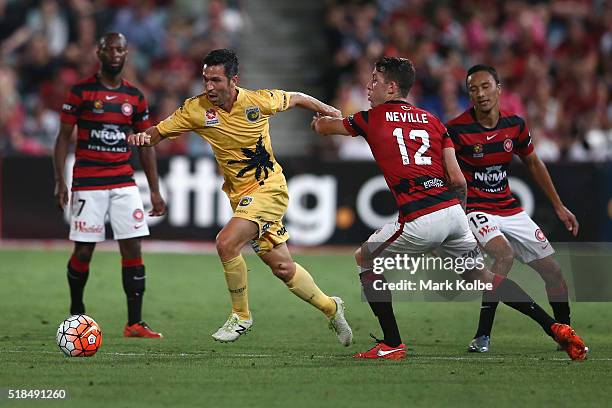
244 201
127 109
211 117
540 235
252 113
478 150
508 145
98 106
138 214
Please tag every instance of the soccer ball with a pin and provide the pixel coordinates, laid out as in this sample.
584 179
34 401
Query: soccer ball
79 336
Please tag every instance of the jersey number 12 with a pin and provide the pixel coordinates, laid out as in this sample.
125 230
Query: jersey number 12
419 159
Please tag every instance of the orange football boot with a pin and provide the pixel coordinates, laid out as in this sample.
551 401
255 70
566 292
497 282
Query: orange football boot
569 341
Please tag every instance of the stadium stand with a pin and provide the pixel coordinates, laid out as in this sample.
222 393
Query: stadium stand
554 57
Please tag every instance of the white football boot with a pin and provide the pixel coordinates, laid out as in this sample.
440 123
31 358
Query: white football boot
339 324
233 328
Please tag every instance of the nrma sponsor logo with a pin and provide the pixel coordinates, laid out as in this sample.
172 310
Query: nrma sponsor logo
492 176
109 135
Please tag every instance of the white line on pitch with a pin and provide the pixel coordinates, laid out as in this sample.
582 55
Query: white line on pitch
306 356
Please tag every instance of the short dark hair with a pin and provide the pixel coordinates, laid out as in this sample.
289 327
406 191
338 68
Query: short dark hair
107 36
482 67
225 57
399 70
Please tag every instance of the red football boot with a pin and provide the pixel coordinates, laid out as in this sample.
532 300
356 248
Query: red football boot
141 329
569 341
381 350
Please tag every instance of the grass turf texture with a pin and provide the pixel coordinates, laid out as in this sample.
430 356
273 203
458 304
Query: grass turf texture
290 358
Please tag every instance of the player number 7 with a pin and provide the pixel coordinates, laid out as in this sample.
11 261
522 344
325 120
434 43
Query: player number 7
82 202
419 159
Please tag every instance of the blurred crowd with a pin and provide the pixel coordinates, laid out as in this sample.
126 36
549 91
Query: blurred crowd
554 59
47 45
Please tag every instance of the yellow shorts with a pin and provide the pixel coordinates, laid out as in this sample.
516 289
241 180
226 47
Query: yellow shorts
266 207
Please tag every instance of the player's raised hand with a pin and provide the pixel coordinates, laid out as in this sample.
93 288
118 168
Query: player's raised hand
568 219
139 139
313 123
61 194
159 205
331 111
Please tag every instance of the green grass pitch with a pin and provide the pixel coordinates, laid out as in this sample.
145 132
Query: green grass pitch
290 358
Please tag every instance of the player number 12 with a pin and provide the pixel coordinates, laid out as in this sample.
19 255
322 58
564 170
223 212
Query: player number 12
419 159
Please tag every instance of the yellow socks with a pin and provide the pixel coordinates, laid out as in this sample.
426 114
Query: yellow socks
236 278
303 286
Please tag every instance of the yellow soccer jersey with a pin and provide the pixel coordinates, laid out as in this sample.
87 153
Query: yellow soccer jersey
240 139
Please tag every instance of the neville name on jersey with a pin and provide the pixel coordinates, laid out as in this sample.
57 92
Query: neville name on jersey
407 144
104 117
484 156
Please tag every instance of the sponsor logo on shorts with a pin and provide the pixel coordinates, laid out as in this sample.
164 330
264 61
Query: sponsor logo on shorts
244 201
508 145
81 226
255 246
127 109
211 117
252 113
265 227
138 214
540 235
487 229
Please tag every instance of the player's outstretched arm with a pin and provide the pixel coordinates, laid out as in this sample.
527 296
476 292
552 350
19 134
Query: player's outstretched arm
148 161
60 152
148 138
326 125
308 102
538 171
454 176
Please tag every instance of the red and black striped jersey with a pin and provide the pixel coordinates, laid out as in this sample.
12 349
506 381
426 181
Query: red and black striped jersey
407 145
104 117
484 156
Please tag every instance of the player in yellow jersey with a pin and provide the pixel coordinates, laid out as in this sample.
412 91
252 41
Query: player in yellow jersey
234 121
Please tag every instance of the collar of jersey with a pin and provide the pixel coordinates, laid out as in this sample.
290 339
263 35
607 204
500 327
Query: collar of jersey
395 101
484 128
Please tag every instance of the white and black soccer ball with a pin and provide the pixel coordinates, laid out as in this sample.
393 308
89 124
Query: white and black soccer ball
79 336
